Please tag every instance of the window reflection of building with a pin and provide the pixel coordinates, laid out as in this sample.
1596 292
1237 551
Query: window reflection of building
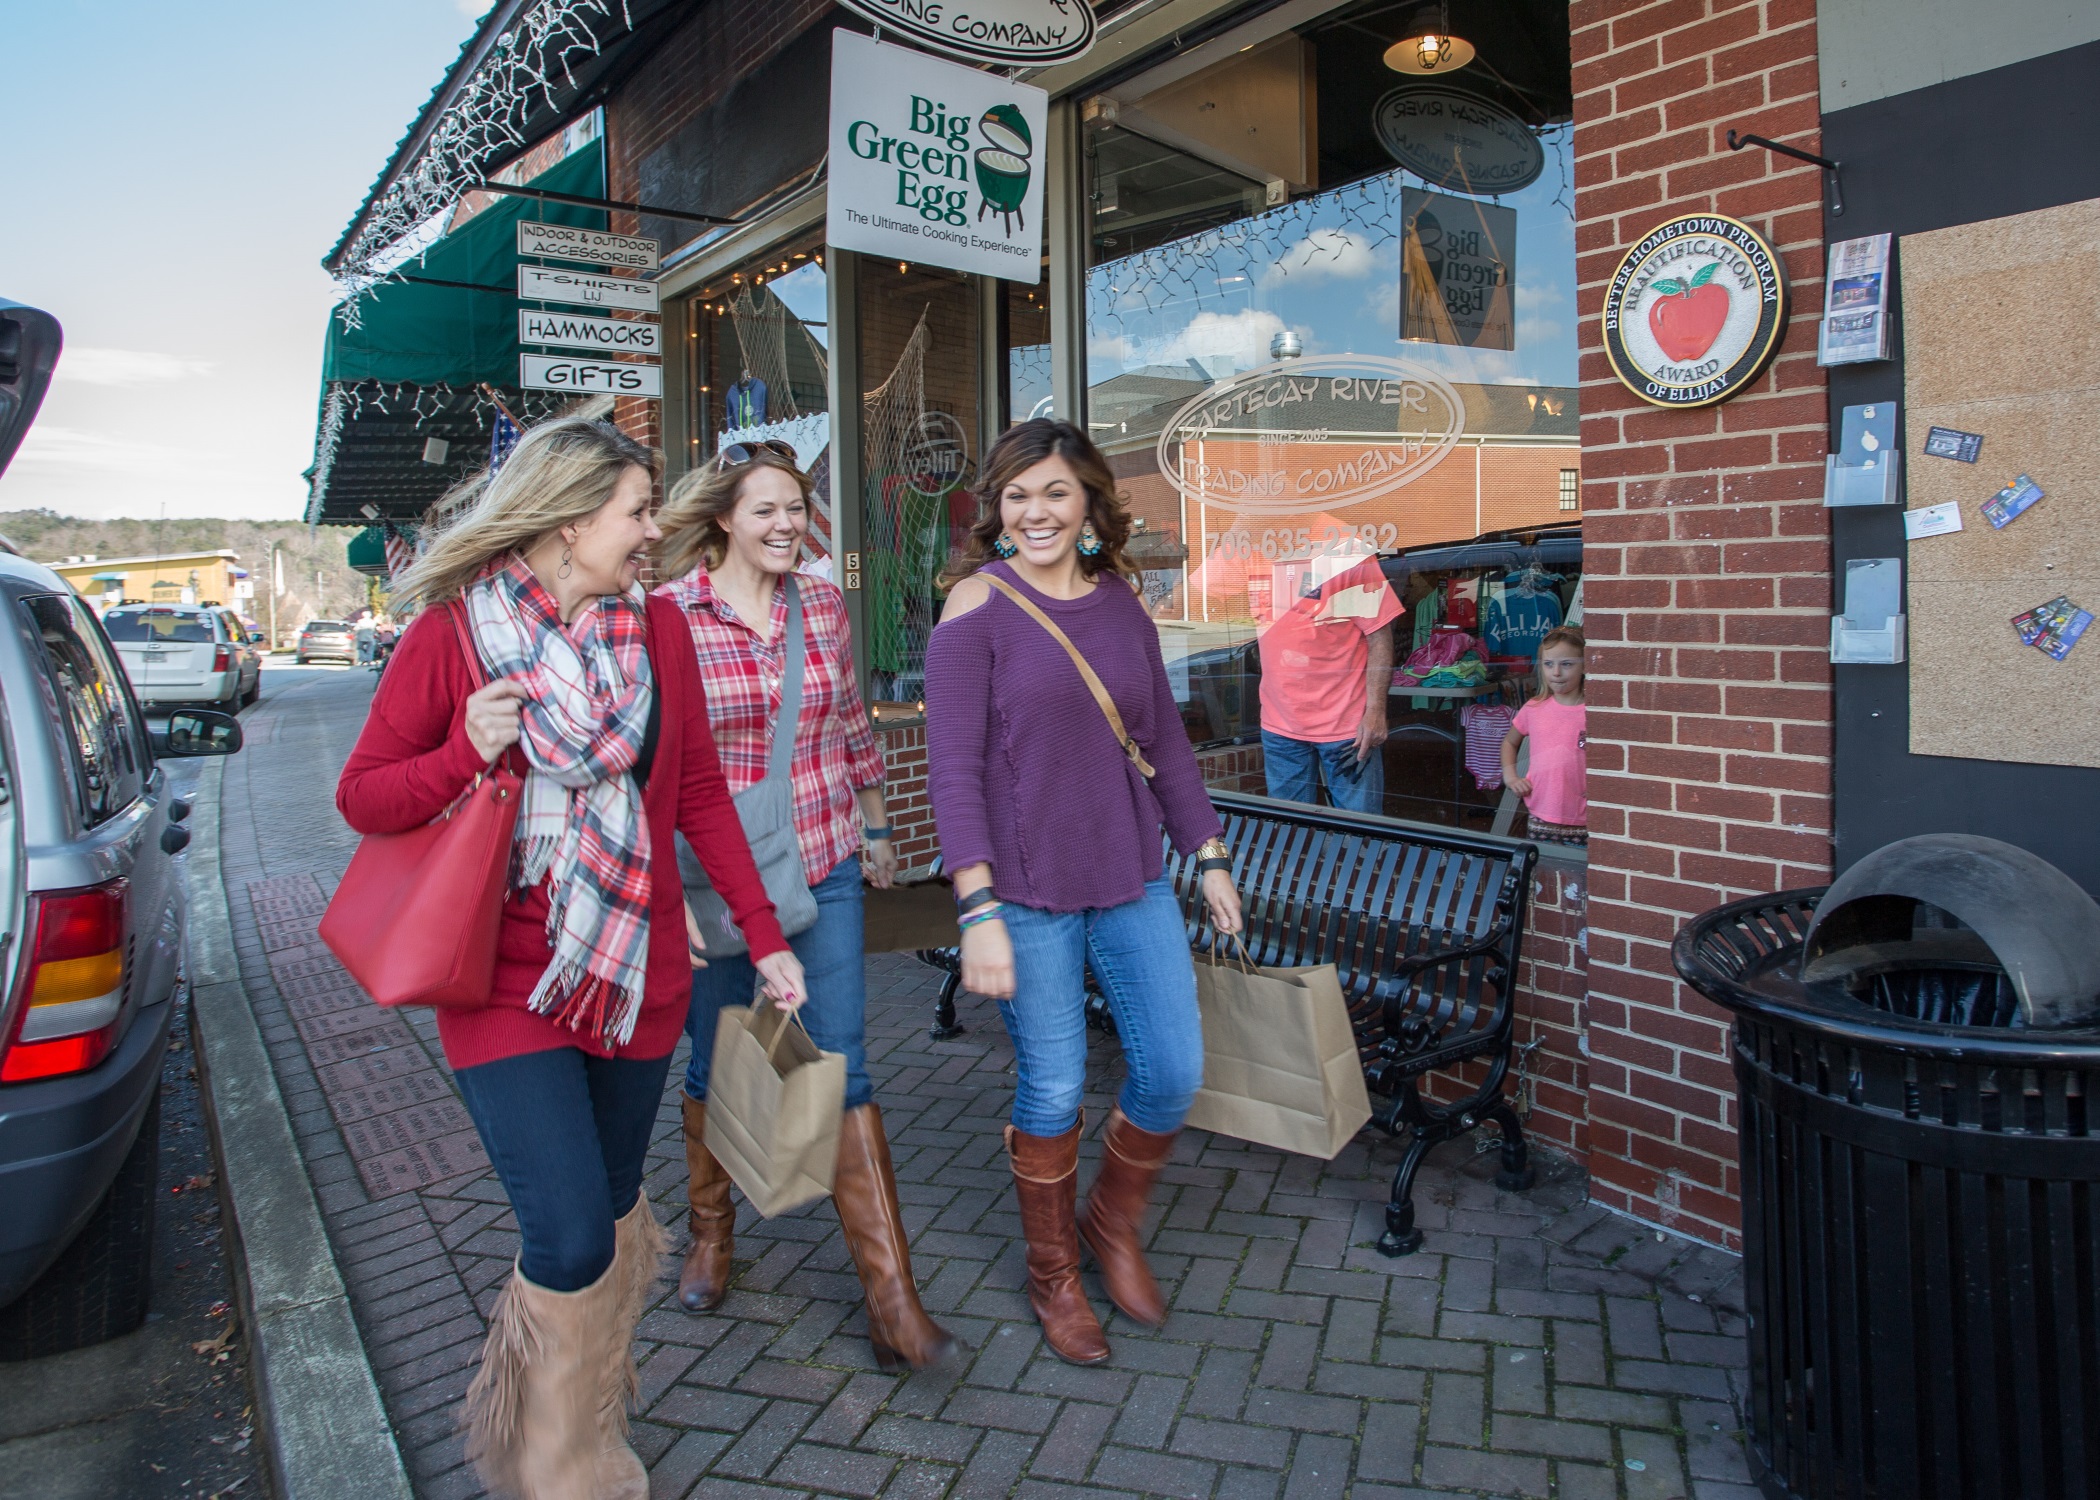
760 352
1245 215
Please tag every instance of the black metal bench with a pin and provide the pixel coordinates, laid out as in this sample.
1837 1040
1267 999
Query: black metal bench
1423 926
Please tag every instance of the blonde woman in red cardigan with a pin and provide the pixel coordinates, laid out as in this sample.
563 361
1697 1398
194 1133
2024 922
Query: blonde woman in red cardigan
594 689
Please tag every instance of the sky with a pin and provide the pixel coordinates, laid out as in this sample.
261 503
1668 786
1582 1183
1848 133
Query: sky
175 174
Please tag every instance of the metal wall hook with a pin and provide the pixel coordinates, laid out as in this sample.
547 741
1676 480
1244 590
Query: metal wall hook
1837 193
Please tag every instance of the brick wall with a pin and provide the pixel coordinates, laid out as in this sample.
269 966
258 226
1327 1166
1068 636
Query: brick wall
1706 551
691 69
904 788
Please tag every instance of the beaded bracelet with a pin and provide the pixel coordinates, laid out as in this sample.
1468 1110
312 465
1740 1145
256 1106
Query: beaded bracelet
970 919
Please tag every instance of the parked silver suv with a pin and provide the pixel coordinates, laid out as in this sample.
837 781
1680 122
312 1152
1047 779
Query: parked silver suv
92 918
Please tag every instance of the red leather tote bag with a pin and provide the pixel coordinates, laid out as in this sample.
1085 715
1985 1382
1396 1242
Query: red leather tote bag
416 917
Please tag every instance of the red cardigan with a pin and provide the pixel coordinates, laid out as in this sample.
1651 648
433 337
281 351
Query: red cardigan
414 757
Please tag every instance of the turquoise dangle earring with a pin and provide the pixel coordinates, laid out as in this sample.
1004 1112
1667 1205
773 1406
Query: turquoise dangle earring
1089 541
1004 546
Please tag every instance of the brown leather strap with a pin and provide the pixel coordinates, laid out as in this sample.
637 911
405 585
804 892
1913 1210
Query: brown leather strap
1086 672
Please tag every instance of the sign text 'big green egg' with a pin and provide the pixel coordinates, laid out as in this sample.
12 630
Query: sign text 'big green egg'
933 162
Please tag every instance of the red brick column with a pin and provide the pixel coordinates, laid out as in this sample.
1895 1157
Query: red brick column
1707 558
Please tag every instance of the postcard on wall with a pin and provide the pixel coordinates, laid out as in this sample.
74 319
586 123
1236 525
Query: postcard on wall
2054 627
2011 502
1855 302
1952 442
1931 520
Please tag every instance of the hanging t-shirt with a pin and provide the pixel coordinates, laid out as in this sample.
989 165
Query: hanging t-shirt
1516 620
1315 654
1559 735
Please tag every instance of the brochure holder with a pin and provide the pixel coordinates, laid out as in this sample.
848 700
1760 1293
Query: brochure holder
1871 631
1851 484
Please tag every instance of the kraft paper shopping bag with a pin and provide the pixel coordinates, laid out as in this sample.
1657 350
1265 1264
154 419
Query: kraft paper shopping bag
1279 1057
774 1099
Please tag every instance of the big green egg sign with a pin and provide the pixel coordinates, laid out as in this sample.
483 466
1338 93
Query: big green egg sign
933 162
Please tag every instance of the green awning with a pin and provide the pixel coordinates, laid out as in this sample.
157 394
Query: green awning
414 367
413 334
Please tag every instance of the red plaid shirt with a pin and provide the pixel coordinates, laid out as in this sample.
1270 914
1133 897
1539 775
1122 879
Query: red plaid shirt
835 750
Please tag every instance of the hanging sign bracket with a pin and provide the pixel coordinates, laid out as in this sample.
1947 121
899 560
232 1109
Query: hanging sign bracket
1837 192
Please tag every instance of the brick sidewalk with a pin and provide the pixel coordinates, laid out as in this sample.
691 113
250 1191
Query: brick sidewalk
1536 1347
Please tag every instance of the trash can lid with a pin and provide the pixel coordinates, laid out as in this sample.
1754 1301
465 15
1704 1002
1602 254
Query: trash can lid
2041 927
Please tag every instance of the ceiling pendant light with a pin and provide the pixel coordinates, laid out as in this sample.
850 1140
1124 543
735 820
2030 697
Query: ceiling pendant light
1430 47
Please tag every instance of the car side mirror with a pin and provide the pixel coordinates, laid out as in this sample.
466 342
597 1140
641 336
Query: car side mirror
29 345
199 731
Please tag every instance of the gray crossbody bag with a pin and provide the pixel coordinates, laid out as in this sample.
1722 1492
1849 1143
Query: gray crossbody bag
767 810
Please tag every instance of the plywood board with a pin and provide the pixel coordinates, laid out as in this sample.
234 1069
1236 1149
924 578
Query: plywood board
1999 339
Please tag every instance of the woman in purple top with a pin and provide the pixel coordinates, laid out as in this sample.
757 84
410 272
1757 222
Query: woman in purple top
1051 825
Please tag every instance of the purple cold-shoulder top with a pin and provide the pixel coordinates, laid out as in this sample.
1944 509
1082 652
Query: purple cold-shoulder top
1025 773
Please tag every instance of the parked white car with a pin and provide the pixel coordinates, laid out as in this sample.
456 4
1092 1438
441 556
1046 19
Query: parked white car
185 653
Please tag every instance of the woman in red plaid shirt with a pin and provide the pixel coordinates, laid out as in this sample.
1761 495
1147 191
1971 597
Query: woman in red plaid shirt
732 534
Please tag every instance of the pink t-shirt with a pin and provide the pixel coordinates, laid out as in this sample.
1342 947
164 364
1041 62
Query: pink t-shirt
1559 735
1313 657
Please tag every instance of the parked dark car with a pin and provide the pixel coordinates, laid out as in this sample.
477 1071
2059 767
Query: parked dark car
326 640
92 918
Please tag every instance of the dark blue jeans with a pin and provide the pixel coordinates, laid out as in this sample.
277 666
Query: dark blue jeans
1294 770
836 1012
567 1133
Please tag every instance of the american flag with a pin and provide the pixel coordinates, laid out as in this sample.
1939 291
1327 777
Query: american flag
502 438
400 551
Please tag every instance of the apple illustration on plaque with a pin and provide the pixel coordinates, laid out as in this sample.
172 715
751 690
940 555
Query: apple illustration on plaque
1689 315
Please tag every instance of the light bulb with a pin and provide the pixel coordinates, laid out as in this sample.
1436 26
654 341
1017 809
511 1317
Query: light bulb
1432 50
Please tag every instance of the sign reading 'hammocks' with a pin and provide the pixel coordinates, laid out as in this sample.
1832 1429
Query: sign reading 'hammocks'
934 163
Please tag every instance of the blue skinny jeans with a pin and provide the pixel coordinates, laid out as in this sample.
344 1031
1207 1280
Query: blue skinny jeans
1140 953
836 1012
567 1133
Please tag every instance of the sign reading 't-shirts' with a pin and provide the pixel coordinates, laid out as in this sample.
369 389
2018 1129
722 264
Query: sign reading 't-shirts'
933 162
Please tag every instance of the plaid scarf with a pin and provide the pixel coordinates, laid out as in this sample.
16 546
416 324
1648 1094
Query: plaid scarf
580 821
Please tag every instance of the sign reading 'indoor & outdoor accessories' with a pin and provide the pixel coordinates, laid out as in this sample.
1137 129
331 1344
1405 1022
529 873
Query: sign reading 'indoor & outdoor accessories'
1695 311
933 162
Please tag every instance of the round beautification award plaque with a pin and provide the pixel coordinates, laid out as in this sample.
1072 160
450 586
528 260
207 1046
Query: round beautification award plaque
1695 311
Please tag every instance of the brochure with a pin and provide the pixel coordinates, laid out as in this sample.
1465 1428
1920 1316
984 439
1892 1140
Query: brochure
1855 302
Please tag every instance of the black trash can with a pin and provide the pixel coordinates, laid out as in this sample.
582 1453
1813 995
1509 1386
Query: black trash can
1917 1050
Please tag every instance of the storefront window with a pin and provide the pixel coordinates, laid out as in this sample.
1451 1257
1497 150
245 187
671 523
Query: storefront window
1331 352
760 354
921 432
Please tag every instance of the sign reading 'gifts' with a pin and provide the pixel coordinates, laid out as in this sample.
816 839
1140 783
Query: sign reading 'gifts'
933 162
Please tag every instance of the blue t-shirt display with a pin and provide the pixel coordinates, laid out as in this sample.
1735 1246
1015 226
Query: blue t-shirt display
1517 618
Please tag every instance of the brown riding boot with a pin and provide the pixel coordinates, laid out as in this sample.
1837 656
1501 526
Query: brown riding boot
1046 1182
638 1242
532 1413
865 1190
703 1281
1115 1210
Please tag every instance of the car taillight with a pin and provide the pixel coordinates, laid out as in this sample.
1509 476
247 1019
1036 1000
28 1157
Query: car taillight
222 659
75 985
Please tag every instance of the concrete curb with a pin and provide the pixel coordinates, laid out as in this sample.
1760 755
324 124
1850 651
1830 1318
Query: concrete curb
319 1403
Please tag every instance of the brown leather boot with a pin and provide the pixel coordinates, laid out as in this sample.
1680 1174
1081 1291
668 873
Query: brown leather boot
865 1190
703 1281
1046 1182
1115 1210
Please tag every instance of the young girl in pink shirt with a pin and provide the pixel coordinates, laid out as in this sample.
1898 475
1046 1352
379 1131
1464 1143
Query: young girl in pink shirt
1555 722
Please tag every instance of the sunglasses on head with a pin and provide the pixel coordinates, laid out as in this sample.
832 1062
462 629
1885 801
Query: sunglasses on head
732 454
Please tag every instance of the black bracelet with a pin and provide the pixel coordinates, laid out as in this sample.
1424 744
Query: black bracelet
1205 866
981 897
